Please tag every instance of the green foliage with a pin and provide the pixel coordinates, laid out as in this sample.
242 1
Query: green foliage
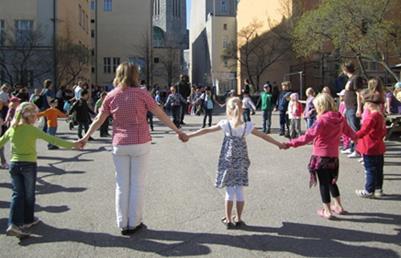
359 27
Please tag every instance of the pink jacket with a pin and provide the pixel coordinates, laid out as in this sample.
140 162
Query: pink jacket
325 135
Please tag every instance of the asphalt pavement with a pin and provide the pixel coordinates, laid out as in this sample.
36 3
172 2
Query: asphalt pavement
75 201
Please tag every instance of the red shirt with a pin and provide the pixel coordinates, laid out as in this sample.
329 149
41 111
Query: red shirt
370 137
128 107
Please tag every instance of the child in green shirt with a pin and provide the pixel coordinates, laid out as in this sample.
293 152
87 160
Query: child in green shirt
22 135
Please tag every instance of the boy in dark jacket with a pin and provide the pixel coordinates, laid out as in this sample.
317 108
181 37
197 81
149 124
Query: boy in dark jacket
82 112
282 106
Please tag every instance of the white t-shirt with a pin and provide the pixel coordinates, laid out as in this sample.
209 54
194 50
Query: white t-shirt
77 92
239 131
4 97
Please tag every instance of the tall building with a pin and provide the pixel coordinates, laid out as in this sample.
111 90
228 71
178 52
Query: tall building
31 31
213 28
121 31
170 39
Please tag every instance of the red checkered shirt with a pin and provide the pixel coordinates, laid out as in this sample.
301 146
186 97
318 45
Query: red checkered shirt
128 107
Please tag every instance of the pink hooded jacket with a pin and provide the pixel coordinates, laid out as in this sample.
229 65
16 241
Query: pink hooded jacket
325 134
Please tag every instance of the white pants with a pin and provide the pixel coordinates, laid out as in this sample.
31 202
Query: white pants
131 163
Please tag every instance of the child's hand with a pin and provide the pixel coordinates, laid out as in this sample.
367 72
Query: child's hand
284 146
183 136
79 145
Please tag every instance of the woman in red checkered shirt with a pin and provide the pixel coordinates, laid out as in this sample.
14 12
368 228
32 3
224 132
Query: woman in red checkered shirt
128 105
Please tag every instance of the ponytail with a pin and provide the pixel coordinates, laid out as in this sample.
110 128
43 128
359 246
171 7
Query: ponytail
233 111
23 110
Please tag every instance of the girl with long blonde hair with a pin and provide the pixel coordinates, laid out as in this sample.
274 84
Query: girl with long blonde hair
232 171
22 135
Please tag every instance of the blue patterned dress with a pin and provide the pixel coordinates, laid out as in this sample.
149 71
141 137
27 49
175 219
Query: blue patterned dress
233 161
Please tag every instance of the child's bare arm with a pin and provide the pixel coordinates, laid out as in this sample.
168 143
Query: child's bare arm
267 138
203 131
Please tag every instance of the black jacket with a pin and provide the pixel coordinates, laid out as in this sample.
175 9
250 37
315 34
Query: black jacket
82 111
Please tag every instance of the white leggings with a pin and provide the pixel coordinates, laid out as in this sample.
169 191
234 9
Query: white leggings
235 193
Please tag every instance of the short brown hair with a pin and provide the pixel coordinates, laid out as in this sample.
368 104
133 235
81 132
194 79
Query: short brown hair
348 66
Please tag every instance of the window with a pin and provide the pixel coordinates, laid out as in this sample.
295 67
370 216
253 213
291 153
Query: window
93 69
156 60
92 20
225 62
177 8
23 30
156 7
107 65
225 26
225 42
2 33
80 15
116 62
93 5
92 33
108 5
93 52
223 6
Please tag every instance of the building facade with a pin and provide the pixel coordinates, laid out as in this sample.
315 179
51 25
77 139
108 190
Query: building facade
121 31
170 39
29 34
213 28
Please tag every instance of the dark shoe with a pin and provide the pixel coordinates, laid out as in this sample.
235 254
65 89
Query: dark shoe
136 229
125 232
268 131
281 133
229 225
182 122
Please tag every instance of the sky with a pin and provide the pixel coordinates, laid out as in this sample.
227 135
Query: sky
188 11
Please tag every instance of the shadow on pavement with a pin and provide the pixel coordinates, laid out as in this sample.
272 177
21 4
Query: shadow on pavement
295 238
38 208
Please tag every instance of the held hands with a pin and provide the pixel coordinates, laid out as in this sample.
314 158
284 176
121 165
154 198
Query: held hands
79 145
284 146
182 136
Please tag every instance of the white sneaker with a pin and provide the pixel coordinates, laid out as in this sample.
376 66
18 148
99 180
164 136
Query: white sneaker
364 194
378 193
16 231
354 155
346 151
33 223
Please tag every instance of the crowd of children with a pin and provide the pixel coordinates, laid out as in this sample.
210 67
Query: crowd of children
326 125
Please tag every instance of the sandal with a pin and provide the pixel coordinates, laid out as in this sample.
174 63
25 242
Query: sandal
322 214
229 225
338 210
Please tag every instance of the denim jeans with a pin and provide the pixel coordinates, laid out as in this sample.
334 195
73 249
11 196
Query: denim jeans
176 113
23 180
51 131
284 122
310 122
247 115
267 120
353 122
374 172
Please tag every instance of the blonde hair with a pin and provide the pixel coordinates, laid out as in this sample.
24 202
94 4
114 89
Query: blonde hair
127 75
286 83
324 103
234 110
310 91
23 111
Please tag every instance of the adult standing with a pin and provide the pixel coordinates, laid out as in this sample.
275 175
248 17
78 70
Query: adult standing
77 90
128 105
184 88
45 97
393 105
352 100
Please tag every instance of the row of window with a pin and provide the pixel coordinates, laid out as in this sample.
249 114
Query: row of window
107 5
25 77
110 64
23 31
156 7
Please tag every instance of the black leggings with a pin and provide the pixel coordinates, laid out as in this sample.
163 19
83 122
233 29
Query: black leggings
326 185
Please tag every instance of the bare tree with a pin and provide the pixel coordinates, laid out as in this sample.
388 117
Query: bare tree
23 58
143 53
73 61
256 52
170 60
